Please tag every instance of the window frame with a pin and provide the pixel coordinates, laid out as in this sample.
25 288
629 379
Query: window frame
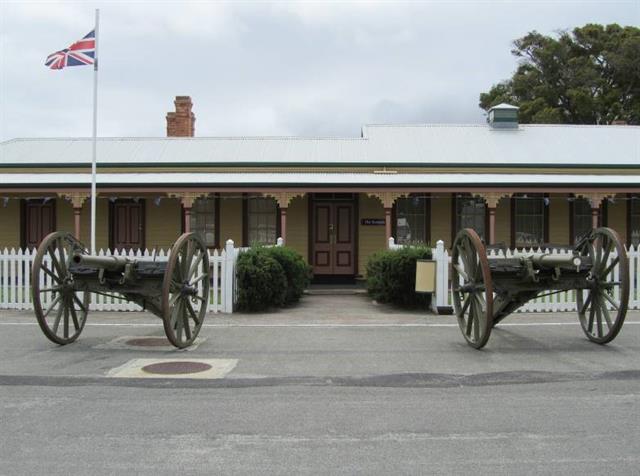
454 216
427 216
572 218
245 218
216 219
545 218
23 217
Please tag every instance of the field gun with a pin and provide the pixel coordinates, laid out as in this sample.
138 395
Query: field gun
486 289
176 289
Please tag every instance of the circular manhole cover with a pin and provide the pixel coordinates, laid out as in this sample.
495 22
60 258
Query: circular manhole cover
176 367
148 342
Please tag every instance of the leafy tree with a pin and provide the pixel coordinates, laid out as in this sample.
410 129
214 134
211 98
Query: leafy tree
588 76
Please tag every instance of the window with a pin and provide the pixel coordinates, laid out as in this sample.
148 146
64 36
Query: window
203 220
471 212
529 216
581 218
634 220
411 215
38 220
262 221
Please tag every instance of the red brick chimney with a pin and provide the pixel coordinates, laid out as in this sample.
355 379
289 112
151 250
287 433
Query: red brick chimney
182 122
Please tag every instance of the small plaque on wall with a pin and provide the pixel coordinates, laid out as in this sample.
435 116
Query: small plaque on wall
372 221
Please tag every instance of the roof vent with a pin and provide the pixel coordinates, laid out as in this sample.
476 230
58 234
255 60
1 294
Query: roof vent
503 116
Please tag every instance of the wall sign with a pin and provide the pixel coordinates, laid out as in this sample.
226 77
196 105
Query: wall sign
372 221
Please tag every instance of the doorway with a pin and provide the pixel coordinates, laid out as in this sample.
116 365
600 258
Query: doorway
333 234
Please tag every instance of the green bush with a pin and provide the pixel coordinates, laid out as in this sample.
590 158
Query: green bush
270 277
296 271
261 281
391 276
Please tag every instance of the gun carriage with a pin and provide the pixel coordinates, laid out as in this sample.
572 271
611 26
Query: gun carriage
487 289
64 275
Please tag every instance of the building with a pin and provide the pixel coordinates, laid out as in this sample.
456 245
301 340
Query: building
335 200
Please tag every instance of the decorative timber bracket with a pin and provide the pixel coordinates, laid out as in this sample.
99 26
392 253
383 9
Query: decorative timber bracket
187 198
282 198
387 198
594 198
77 199
492 198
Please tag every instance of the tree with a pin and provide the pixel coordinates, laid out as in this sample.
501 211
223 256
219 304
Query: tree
588 76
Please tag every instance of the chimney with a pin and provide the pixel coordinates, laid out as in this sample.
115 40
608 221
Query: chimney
182 122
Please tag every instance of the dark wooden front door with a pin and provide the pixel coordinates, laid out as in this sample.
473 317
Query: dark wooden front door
39 221
127 225
333 238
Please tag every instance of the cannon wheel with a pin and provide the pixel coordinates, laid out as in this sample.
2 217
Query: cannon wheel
185 290
607 273
472 288
65 306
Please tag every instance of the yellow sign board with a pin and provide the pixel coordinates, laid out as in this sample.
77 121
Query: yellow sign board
425 276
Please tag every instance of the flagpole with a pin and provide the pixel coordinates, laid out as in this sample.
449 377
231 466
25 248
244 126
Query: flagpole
95 134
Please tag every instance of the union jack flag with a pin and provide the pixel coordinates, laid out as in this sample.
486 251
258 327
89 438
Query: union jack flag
80 53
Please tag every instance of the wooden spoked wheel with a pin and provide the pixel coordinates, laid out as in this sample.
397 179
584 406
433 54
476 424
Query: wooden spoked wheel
472 288
185 290
603 306
60 308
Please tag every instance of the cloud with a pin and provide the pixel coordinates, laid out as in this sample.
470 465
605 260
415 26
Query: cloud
284 68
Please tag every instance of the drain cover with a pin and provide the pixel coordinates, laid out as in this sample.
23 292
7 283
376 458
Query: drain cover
148 342
176 367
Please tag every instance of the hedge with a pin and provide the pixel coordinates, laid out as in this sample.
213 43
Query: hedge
391 276
270 277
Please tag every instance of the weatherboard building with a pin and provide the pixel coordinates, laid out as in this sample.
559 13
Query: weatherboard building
335 200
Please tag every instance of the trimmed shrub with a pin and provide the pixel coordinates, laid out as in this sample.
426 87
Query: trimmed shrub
270 277
296 271
261 281
391 277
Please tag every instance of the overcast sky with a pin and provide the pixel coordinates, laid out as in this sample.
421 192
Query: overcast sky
257 68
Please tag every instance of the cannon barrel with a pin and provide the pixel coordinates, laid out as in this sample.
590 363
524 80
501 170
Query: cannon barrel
110 263
553 261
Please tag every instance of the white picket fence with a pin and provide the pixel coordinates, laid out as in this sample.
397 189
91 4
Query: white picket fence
564 301
15 279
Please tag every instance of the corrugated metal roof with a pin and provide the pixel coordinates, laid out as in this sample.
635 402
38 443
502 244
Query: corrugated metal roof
381 144
317 179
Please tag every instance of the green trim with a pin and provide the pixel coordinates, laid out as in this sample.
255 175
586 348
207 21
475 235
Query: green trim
345 165
536 185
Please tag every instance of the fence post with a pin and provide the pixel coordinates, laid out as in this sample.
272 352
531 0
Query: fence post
441 305
229 276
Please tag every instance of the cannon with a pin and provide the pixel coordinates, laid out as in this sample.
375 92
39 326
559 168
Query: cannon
64 275
487 289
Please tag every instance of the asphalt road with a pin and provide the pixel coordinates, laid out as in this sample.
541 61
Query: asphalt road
334 386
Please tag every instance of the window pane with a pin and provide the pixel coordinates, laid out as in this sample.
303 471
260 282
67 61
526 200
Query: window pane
529 221
470 213
261 220
581 218
203 219
411 216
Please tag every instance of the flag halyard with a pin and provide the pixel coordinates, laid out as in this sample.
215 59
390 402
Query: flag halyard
80 53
